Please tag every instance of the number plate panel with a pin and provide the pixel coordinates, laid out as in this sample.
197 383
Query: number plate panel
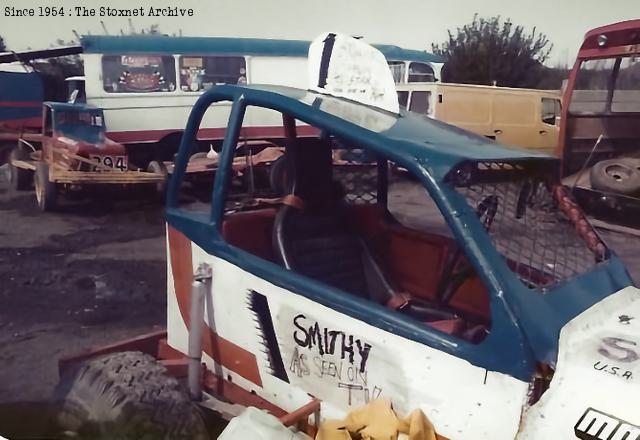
115 163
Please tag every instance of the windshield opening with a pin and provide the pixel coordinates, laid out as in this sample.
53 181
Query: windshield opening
79 118
80 125
609 85
532 220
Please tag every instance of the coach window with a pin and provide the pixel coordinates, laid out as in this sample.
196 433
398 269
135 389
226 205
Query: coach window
199 73
421 72
138 73
398 69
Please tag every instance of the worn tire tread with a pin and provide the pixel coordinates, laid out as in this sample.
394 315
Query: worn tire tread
126 396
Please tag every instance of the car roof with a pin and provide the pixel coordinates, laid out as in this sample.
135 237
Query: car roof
159 44
405 137
618 34
68 107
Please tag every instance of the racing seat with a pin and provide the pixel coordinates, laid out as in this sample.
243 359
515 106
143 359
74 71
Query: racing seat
315 239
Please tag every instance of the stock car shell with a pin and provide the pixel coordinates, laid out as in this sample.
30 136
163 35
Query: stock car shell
78 139
283 336
595 385
103 147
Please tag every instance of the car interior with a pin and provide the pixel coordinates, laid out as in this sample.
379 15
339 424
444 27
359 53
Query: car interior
362 248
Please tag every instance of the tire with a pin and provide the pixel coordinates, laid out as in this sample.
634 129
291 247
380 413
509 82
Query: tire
633 162
279 176
620 176
46 191
21 179
125 396
160 188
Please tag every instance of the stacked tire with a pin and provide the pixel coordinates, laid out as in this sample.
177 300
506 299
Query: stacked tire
618 176
125 396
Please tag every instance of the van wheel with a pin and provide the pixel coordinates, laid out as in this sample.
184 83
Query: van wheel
46 190
620 176
160 188
20 178
125 396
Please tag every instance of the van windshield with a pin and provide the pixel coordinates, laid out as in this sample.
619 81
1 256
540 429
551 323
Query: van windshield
608 85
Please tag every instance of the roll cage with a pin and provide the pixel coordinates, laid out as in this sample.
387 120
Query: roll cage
525 325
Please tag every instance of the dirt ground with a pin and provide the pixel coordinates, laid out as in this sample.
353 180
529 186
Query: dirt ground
87 276
90 275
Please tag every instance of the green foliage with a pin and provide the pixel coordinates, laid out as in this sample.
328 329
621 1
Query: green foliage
551 78
71 65
488 51
154 29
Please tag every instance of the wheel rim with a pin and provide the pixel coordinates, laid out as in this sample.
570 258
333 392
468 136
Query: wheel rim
618 172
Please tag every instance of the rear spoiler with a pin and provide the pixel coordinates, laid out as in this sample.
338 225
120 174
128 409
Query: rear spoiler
10 57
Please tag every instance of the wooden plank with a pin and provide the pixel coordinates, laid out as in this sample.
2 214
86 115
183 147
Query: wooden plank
601 224
24 164
146 343
98 177
32 137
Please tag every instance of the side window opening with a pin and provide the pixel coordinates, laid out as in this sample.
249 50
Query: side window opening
195 188
534 223
341 215
551 110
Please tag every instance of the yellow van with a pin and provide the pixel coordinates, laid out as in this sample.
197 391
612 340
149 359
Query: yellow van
523 117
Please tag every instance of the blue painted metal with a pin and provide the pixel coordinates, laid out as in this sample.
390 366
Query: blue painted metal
525 324
68 107
226 46
93 134
21 95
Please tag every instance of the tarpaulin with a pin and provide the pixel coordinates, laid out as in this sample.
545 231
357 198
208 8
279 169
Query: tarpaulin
378 421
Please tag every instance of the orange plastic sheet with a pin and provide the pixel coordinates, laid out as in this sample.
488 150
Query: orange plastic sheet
378 421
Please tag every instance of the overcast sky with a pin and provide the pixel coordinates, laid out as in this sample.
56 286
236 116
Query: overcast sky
409 23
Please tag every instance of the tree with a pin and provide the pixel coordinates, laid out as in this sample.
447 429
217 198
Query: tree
70 65
3 47
489 52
